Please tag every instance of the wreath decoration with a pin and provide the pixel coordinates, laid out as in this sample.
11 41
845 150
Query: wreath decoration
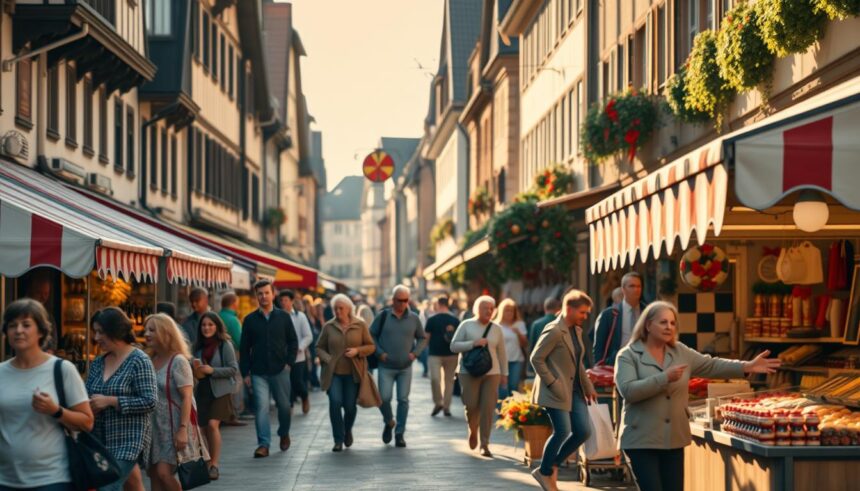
704 267
790 26
742 55
625 122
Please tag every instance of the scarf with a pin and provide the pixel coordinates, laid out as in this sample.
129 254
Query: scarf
210 344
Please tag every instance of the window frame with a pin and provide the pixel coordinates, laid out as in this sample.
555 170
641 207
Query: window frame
24 94
118 136
130 132
174 165
103 128
52 127
164 163
88 118
71 106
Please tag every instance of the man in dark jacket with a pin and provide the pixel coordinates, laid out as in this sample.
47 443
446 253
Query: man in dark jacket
268 352
615 324
199 299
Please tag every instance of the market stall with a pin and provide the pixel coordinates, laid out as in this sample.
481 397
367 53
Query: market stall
774 210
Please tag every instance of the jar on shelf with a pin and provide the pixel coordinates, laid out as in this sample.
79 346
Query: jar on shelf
759 305
775 306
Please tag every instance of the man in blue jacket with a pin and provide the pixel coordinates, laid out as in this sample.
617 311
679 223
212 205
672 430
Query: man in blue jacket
615 324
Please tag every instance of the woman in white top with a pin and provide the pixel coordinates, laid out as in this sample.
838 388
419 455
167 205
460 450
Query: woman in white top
33 451
514 332
479 393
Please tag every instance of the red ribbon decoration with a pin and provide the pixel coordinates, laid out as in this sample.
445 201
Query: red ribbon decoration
803 292
611 113
771 251
631 137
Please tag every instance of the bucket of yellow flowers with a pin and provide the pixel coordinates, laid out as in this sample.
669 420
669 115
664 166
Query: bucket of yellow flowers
529 420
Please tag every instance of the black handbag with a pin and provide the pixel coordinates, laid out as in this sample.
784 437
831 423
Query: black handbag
90 464
478 361
195 472
373 360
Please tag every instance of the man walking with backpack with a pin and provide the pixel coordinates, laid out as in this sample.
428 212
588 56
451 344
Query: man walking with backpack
399 338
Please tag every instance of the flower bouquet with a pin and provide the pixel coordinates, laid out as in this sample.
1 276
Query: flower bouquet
530 420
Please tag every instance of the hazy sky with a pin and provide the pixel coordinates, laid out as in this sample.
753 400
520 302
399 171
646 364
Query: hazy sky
362 77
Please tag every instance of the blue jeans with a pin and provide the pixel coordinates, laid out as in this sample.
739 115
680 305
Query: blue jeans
569 430
424 357
341 397
264 388
125 468
387 378
514 374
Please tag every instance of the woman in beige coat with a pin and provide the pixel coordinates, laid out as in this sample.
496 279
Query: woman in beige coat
343 338
652 373
562 387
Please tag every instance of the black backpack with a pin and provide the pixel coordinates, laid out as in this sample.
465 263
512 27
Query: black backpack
373 360
478 361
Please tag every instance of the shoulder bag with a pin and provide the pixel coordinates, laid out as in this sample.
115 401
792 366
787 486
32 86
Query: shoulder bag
368 393
192 473
90 464
478 361
373 360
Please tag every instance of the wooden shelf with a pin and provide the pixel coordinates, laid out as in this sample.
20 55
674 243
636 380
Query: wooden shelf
793 340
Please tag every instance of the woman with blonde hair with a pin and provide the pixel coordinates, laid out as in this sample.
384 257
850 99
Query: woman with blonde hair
514 331
175 437
342 339
480 390
652 373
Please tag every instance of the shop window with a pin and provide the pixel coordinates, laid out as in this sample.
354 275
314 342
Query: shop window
24 94
88 116
118 136
129 143
71 106
164 162
53 129
103 126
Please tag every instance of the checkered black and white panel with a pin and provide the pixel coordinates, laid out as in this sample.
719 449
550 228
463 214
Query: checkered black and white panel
702 315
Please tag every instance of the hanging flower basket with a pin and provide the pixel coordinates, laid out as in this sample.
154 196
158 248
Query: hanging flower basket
553 182
480 203
704 267
624 123
839 9
676 94
707 91
742 55
790 26
441 231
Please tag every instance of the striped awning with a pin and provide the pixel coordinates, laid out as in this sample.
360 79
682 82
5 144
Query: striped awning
668 204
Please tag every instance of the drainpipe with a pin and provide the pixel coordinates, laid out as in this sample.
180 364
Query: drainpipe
10 63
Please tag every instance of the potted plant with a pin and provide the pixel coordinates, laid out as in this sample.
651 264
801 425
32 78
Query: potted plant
530 421
553 182
274 218
625 122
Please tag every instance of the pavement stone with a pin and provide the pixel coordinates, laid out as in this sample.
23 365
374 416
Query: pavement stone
437 456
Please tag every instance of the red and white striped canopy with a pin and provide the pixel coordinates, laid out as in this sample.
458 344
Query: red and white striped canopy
819 150
668 204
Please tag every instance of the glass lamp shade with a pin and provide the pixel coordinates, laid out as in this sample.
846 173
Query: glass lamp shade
811 212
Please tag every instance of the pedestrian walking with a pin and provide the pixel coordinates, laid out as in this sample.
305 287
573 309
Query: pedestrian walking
440 330
480 391
551 308
400 339
175 436
342 339
33 452
614 326
123 393
652 373
562 387
313 309
514 331
199 299
216 369
267 355
298 375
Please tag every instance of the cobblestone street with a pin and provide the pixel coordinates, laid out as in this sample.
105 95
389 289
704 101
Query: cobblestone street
437 456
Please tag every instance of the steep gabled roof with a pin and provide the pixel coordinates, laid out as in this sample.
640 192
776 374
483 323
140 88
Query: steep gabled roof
462 27
344 201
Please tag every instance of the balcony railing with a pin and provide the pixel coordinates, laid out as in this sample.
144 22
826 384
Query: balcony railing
105 8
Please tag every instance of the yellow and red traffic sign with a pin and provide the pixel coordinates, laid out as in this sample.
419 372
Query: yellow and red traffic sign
378 166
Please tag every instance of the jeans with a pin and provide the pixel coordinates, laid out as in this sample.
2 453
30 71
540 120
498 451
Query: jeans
657 470
569 430
514 374
125 468
299 381
264 388
387 378
341 397
423 358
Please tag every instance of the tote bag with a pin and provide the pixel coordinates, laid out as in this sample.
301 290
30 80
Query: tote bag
601 443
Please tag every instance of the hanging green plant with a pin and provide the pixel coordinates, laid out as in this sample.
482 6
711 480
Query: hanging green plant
510 240
676 93
707 91
274 218
553 182
443 229
742 55
790 26
556 238
481 202
839 9
625 122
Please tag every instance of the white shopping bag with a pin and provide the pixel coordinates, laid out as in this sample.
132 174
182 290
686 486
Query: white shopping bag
601 443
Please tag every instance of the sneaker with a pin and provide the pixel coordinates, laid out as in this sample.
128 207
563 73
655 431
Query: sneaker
544 481
399 441
213 473
436 410
386 432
